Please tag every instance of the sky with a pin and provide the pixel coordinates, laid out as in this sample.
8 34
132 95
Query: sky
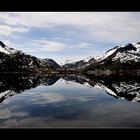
68 35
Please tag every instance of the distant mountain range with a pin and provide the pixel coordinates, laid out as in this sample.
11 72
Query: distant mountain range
78 64
12 60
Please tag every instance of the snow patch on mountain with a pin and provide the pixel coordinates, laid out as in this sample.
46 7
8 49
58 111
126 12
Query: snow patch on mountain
107 54
109 91
127 88
97 86
124 89
68 61
7 94
125 57
87 84
6 49
87 58
3 50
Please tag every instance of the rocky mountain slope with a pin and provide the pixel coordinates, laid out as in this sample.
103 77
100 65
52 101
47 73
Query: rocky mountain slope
12 60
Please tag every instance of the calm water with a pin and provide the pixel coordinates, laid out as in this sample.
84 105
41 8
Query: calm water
69 101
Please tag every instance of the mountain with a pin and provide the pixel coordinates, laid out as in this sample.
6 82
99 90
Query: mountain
74 65
118 58
12 60
125 53
50 63
68 61
78 64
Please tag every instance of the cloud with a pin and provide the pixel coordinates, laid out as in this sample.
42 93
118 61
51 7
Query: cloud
83 45
44 19
45 45
7 30
20 29
48 46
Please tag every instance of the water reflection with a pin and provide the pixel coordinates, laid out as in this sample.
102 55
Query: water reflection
69 101
121 87
12 84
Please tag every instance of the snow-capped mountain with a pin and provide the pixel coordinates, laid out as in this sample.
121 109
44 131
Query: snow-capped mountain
17 61
123 53
118 58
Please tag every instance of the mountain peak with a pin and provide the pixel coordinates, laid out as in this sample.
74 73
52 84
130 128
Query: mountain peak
2 44
128 47
5 49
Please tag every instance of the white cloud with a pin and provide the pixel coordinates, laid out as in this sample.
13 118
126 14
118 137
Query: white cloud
20 29
7 30
48 46
83 45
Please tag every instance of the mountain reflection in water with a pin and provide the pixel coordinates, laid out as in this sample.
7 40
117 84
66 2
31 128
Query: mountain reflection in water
121 87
